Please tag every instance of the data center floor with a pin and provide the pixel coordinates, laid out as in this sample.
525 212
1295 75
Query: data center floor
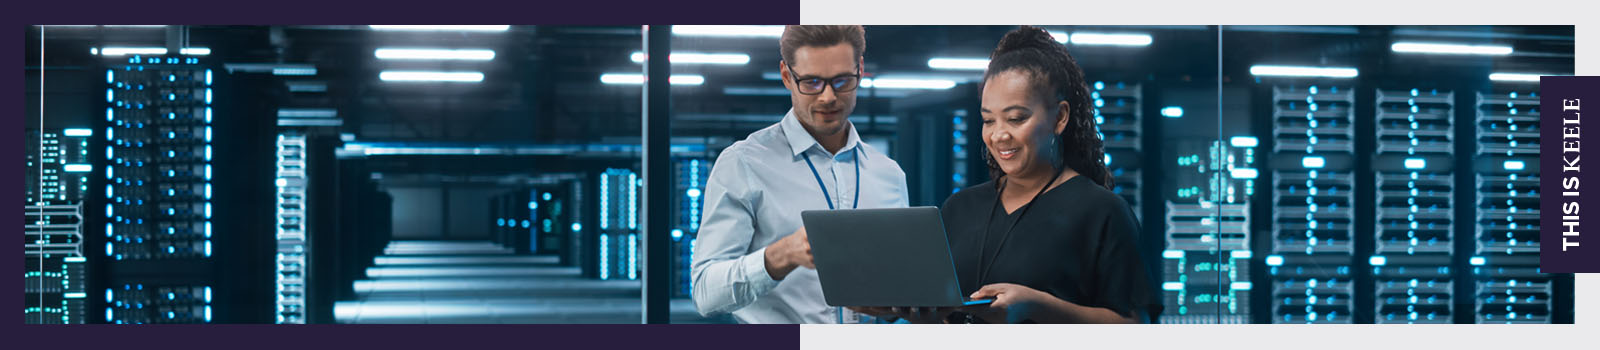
480 282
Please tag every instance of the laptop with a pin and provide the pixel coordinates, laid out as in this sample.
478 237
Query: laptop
890 257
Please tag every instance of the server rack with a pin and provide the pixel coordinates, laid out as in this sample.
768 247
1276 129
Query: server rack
1414 181
1313 203
55 273
183 228
1510 288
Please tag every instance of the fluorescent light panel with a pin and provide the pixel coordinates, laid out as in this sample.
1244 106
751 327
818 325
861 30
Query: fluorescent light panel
294 71
1515 77
428 76
123 51
307 113
1303 71
729 31
464 28
78 132
638 79
1111 39
698 58
434 54
958 63
1450 49
908 83
307 87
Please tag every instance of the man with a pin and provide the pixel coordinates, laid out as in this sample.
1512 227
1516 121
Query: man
752 258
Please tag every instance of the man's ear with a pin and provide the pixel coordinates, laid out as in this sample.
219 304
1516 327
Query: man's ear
783 72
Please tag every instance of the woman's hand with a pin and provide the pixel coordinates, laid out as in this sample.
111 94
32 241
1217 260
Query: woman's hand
1013 303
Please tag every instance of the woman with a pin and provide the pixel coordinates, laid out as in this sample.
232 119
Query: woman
1045 239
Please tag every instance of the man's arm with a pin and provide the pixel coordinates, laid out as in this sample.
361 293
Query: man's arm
725 277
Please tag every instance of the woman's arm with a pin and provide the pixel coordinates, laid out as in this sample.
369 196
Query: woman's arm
1016 303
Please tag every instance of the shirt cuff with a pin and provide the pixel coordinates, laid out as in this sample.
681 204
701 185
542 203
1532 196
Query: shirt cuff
755 272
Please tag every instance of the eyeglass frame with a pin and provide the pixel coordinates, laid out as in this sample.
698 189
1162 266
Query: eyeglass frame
796 80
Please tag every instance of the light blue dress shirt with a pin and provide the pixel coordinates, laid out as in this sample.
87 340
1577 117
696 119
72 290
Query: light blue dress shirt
754 196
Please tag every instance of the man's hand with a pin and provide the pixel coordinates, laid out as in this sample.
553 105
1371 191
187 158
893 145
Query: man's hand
788 253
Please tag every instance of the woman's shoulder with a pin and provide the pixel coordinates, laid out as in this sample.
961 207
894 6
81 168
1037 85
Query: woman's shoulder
1090 196
980 193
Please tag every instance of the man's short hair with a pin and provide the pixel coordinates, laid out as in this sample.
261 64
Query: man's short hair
797 36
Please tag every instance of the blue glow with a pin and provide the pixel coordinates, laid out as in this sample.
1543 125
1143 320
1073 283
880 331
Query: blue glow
605 272
1514 165
693 193
677 234
109 76
1476 261
1099 85
1172 254
1415 163
1172 286
605 200
633 256
1172 112
1378 260
208 77
1274 260
577 227
1108 160
1243 173
109 96
208 95
1313 162
1243 141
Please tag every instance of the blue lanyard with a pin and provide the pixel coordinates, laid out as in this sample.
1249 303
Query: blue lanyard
825 195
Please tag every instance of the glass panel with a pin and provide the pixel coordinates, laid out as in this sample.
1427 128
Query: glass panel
1393 170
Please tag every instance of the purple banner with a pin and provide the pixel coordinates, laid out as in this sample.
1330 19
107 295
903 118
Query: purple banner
1569 237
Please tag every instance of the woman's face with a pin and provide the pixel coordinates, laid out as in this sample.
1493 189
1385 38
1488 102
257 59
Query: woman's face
1019 124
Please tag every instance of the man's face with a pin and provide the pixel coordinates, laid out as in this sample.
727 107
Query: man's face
825 113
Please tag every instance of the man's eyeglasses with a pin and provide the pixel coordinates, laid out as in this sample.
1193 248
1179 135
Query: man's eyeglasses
815 85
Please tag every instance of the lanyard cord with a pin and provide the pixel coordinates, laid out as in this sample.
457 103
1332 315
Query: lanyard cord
984 270
838 311
825 196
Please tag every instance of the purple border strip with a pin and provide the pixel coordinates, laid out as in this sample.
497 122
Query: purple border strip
243 337
1567 209
292 12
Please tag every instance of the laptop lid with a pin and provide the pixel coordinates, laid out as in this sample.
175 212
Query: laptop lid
883 257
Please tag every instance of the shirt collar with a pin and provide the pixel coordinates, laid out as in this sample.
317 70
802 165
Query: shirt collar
800 140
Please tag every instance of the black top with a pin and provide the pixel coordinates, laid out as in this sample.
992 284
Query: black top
1080 244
